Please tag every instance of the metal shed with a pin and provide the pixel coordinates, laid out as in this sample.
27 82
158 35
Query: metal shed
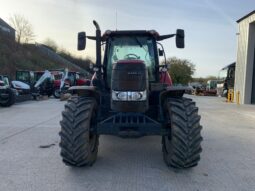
245 63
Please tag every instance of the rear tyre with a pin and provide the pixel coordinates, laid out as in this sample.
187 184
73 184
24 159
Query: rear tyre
10 100
182 148
79 146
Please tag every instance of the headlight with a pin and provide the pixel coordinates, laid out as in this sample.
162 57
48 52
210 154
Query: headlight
129 96
121 95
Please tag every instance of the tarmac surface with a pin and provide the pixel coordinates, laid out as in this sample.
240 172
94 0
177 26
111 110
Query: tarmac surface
30 160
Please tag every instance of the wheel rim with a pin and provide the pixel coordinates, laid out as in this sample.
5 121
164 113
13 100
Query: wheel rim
57 93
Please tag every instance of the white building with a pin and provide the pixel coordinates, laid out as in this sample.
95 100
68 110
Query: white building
245 63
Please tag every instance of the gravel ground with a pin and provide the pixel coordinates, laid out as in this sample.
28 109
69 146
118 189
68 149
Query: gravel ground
227 163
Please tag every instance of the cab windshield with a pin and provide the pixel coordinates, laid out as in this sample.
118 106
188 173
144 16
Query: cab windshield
223 74
132 48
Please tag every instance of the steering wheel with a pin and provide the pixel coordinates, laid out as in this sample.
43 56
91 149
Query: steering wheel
131 57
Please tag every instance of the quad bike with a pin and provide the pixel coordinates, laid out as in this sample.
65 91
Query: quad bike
128 96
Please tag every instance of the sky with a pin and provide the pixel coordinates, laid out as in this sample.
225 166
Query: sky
210 25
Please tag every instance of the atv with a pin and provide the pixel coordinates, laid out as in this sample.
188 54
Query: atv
130 95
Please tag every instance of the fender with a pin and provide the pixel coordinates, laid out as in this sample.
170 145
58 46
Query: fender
172 91
87 91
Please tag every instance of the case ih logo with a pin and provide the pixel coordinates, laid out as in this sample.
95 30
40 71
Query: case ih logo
134 76
134 73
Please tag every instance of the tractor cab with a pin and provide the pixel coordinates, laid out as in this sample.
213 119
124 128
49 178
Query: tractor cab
4 81
25 76
131 48
130 73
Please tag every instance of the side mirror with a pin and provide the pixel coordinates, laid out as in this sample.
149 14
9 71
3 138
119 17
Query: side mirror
160 52
91 66
180 38
81 40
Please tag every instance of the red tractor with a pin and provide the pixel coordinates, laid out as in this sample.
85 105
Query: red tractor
67 80
130 95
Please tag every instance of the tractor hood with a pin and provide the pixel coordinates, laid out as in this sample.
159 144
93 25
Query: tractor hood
129 84
129 75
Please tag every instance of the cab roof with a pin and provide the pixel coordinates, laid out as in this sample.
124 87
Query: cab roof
229 66
110 33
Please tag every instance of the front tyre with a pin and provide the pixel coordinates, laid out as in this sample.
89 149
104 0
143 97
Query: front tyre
182 148
79 146
9 100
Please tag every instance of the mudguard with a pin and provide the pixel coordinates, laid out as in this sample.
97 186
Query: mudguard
172 91
88 91
20 85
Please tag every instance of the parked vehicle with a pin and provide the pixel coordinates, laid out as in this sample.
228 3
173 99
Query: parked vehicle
211 88
40 82
226 79
7 94
127 98
69 79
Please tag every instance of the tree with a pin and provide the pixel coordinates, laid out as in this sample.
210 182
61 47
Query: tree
181 70
24 30
51 43
204 80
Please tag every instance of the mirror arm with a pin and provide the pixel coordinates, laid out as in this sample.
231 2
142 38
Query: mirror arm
163 37
163 51
91 37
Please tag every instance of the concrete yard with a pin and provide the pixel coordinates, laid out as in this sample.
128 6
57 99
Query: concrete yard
227 161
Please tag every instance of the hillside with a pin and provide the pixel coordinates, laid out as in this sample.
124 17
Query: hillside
14 56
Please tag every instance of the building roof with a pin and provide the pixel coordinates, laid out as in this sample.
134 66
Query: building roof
230 65
2 22
244 17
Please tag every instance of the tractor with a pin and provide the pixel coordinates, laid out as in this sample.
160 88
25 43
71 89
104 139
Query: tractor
129 97
226 80
68 79
40 82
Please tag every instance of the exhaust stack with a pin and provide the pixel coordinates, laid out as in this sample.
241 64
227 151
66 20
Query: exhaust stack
98 49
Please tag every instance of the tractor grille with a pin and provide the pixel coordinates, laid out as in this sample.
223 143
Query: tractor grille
127 76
